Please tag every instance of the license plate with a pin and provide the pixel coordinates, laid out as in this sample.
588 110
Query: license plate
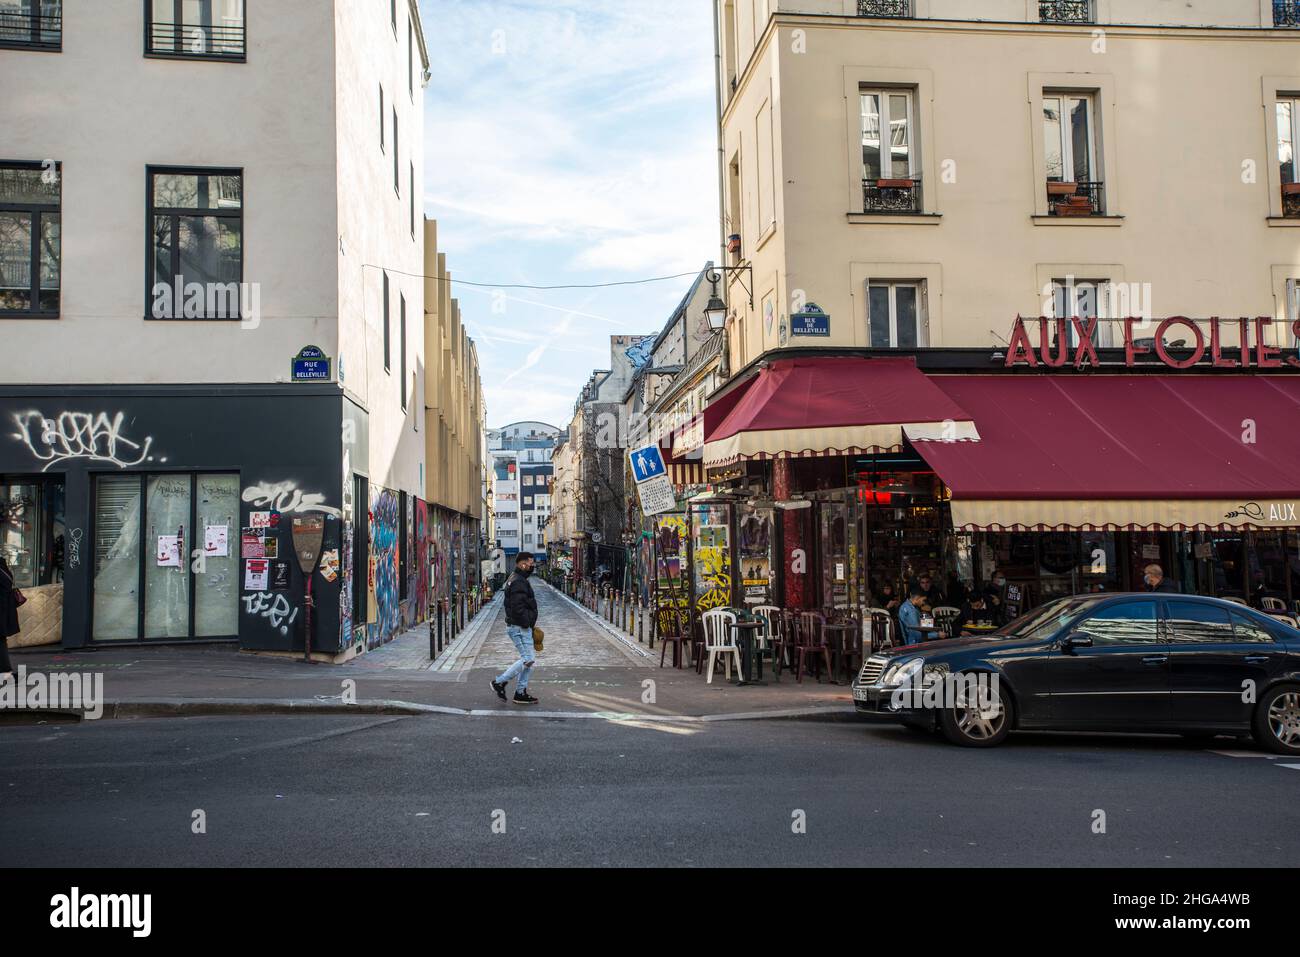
860 695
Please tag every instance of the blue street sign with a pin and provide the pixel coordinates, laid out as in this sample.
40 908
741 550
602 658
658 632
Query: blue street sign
811 322
311 365
648 463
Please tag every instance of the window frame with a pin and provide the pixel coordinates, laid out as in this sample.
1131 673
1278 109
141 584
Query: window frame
37 211
401 348
1292 101
388 327
1101 292
397 162
181 54
1067 141
922 318
1159 622
151 211
35 43
383 122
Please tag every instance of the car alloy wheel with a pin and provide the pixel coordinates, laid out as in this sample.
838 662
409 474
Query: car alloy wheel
1280 712
977 723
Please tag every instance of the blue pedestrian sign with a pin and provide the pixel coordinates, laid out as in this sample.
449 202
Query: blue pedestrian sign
648 463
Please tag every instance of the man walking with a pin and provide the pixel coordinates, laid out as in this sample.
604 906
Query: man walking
521 616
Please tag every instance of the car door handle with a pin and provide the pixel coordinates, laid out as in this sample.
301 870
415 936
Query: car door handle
1155 659
1256 659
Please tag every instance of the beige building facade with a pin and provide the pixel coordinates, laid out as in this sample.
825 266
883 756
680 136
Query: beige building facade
1120 157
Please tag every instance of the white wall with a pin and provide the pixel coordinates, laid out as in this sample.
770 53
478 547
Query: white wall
105 111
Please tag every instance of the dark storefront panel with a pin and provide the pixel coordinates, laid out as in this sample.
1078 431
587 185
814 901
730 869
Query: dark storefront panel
150 477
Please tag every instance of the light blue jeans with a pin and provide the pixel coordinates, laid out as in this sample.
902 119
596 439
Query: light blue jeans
523 642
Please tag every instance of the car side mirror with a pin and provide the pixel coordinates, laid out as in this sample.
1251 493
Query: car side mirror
1075 639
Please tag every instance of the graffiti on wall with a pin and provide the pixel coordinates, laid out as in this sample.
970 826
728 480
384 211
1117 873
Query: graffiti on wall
286 497
383 561
712 558
91 436
347 560
274 607
420 565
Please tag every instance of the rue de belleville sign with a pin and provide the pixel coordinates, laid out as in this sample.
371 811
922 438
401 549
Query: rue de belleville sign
1144 343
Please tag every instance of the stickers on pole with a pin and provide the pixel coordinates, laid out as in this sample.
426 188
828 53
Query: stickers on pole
652 482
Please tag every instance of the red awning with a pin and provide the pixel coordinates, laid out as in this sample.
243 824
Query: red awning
1101 451
833 405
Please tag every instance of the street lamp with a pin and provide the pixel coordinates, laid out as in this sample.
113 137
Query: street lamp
716 310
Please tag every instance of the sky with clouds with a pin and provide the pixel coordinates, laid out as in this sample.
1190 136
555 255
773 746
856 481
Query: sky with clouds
567 142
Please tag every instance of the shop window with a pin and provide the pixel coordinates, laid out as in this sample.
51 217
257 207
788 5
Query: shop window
896 315
1196 622
149 582
33 539
195 29
891 182
30 239
196 262
1128 623
1074 183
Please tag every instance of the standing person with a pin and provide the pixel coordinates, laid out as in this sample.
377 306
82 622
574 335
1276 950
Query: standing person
909 617
8 618
1155 579
521 616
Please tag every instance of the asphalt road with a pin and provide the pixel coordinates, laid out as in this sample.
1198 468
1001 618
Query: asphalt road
326 791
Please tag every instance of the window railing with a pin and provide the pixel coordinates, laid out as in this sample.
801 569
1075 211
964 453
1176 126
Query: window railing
1065 11
1286 13
209 41
40 28
898 9
891 195
1076 199
1291 200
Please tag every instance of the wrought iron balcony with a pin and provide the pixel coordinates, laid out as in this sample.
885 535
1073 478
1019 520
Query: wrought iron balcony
891 195
897 9
40 28
205 41
1286 13
1065 11
1076 199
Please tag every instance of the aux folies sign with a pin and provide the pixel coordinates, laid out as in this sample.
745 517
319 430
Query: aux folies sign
1206 343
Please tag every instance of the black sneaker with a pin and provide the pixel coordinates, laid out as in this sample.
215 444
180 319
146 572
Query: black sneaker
500 689
523 697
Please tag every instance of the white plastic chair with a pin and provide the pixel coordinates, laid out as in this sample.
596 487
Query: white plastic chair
767 638
1236 601
945 615
1272 604
719 639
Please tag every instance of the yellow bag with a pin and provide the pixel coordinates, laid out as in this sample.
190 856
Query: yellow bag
538 635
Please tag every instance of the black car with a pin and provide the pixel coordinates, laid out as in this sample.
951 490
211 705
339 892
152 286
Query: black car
1167 663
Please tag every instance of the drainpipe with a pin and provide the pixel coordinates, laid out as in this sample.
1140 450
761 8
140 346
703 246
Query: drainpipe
722 165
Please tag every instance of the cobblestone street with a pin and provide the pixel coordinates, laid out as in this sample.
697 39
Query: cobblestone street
574 638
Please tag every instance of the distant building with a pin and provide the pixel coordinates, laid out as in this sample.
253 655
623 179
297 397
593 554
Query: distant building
522 475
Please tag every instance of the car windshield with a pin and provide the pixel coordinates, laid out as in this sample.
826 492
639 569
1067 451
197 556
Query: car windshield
1048 619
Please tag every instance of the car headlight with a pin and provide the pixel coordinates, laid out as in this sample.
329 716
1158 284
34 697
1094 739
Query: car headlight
934 674
901 672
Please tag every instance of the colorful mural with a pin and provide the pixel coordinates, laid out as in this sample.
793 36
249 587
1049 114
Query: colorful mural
420 563
712 557
347 574
383 564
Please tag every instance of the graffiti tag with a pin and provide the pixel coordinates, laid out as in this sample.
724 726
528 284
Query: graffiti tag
274 608
285 497
92 436
74 548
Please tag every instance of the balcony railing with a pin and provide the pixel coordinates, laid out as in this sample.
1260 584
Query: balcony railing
898 9
1286 13
1076 199
1291 200
1065 11
33 30
891 195
209 41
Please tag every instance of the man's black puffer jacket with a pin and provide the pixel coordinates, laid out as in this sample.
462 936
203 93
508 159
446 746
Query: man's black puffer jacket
521 605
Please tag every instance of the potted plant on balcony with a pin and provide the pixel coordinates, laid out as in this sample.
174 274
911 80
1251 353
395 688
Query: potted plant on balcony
895 183
1291 189
1055 188
733 243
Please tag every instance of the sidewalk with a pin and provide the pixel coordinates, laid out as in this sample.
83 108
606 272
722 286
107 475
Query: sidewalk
584 671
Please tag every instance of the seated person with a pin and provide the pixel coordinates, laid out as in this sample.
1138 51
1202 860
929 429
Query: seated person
909 619
887 598
975 612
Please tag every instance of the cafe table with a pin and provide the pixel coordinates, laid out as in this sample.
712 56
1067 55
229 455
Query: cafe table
972 629
841 630
745 628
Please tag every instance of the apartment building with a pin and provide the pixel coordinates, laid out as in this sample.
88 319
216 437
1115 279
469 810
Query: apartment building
454 437
1011 287
211 240
923 171
523 477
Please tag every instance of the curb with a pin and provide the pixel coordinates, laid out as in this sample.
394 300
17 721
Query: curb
200 707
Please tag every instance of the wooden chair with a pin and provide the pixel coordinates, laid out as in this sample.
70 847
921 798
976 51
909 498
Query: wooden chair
810 639
671 624
720 639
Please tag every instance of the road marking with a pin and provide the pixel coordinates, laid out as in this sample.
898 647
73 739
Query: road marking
1293 767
